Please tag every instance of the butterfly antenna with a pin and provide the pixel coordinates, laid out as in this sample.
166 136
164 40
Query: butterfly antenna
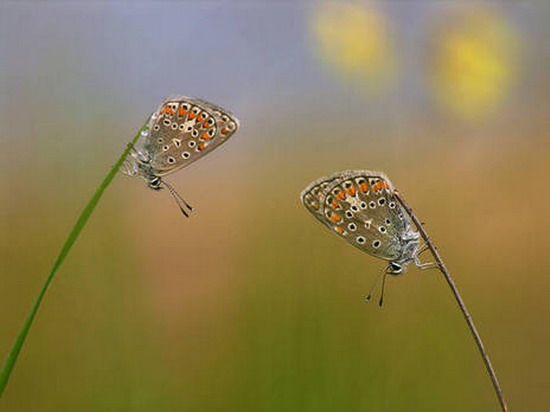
179 200
383 288
177 195
376 281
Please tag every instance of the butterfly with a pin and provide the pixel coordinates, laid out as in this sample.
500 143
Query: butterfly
361 207
180 131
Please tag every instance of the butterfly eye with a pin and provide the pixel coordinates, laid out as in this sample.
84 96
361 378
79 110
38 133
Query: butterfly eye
192 143
363 205
185 106
165 148
225 119
185 155
388 221
376 244
352 227
392 205
361 240
174 126
166 122
195 110
231 126
171 160
210 122
195 133
156 127
372 205
382 229
381 201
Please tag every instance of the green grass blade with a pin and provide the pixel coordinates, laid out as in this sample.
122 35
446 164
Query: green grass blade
80 223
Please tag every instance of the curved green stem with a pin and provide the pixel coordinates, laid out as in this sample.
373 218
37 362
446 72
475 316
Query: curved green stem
73 236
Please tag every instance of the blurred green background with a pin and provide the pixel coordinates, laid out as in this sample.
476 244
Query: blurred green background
251 305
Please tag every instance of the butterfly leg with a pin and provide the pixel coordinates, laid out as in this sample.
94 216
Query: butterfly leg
422 248
425 266
416 257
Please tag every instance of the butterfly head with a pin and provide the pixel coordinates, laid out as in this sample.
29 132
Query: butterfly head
395 268
154 182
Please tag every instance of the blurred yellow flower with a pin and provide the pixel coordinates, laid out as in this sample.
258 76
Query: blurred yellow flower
353 41
474 62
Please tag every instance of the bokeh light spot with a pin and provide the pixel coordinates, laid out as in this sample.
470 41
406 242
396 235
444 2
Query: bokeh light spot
353 41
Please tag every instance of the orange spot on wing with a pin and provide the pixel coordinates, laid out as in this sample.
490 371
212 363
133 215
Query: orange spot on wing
182 111
351 190
192 115
334 203
339 230
364 187
377 186
225 131
200 118
202 146
335 217
206 136
341 195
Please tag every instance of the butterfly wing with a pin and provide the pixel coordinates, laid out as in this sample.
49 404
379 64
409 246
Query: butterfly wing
360 206
184 130
313 196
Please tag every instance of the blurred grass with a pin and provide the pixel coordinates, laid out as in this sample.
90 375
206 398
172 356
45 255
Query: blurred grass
274 318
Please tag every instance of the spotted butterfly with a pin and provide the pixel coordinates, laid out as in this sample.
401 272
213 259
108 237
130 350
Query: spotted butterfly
360 206
181 131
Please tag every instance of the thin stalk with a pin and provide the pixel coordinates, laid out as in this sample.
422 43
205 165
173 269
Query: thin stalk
75 232
460 301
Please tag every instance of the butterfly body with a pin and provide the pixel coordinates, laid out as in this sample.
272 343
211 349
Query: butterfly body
360 206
